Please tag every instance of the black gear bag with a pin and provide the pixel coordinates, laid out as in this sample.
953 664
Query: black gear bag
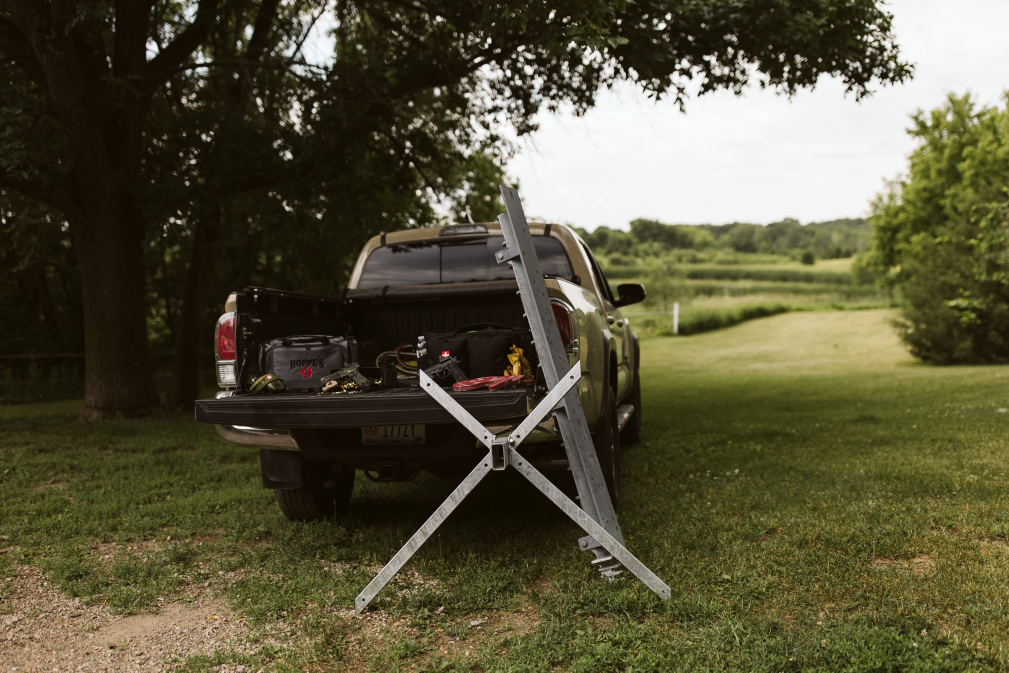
302 361
482 350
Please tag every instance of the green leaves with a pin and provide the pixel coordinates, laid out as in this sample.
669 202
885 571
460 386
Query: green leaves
941 235
205 121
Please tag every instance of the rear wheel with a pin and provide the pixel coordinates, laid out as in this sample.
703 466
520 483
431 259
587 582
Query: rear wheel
607 443
324 493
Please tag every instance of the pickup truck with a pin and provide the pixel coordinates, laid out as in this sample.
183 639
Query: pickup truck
403 285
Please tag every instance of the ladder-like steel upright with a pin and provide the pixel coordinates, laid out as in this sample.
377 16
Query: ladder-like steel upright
595 516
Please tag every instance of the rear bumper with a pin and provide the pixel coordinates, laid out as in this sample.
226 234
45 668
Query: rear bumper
258 438
281 439
273 421
392 407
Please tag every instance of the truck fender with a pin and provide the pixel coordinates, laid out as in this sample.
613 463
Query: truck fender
607 374
637 359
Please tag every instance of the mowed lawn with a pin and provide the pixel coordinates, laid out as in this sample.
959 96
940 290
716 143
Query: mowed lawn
815 499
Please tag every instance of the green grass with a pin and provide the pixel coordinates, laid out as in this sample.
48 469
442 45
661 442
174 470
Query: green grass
709 306
714 297
815 499
763 273
766 268
779 273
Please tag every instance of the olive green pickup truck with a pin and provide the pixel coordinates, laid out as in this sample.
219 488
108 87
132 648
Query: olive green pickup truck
406 284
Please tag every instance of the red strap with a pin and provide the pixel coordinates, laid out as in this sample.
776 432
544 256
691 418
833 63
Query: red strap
475 384
506 382
492 383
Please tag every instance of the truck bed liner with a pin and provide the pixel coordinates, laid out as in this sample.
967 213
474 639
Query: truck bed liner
403 406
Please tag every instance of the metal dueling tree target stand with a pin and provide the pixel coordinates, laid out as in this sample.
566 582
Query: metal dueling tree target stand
595 516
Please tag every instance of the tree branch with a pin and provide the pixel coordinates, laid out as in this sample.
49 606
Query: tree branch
132 18
261 29
16 46
285 64
311 26
182 47
91 55
59 196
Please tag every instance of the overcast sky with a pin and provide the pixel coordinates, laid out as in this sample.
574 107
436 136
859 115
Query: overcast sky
760 157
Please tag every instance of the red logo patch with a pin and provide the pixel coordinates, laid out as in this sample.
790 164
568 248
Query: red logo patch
445 355
306 373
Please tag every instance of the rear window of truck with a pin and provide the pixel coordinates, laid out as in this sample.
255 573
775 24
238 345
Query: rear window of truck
454 261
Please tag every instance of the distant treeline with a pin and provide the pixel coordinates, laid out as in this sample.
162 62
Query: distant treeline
826 240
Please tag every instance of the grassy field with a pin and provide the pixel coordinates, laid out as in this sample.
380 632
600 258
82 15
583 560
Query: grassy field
714 296
815 499
753 267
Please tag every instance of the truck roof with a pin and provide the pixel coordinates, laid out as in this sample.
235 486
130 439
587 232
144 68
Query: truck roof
568 238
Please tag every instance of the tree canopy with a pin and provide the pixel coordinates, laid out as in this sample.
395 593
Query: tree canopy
189 146
825 240
941 235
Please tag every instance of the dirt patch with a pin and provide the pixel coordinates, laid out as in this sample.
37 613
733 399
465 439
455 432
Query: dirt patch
43 630
405 583
768 537
433 638
212 536
542 585
107 552
918 565
458 639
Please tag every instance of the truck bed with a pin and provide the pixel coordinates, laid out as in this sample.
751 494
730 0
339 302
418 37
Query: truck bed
401 406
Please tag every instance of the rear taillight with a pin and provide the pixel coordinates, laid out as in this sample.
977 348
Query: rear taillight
563 316
224 337
224 349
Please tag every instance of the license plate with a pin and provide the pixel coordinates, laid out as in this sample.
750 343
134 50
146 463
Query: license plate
392 434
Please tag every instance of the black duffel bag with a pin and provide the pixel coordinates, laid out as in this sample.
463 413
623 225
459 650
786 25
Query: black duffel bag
482 350
302 361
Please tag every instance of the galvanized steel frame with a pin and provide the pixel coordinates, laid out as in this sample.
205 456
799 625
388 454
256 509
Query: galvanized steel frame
596 515
520 252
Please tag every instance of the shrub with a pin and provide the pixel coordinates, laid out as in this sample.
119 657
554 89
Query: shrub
621 260
725 257
665 286
940 236
808 258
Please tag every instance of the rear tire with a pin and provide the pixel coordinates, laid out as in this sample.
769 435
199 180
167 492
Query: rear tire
607 444
323 494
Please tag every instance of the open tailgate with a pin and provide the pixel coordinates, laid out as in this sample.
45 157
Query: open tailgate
403 406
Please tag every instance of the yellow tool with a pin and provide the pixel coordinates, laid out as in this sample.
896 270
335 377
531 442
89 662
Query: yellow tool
518 365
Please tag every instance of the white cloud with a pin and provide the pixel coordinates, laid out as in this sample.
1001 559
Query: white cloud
760 157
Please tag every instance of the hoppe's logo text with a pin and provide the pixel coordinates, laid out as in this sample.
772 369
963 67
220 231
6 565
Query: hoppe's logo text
298 364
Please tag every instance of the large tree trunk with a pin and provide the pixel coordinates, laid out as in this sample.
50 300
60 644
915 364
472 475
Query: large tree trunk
100 100
189 337
105 145
117 373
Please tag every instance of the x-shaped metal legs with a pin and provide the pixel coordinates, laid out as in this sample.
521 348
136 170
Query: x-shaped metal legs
502 453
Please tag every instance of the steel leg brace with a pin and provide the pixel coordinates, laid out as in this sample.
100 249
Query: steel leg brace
502 453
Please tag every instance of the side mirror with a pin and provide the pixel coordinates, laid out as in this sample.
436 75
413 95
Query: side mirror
630 293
